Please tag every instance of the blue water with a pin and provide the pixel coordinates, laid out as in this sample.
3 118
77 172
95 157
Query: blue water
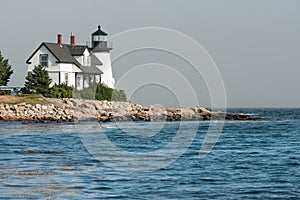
251 160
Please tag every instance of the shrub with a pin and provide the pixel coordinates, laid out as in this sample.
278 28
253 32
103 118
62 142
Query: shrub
119 95
101 91
88 93
61 91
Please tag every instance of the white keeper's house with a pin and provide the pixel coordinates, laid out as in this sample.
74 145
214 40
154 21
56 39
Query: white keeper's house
76 65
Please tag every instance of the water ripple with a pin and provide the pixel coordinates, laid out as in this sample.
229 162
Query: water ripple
258 160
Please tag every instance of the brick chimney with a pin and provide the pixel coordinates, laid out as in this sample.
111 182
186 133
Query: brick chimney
73 40
59 39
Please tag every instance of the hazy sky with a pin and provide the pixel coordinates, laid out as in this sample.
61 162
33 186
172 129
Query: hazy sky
255 44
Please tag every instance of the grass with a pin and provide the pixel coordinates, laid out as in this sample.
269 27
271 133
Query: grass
24 98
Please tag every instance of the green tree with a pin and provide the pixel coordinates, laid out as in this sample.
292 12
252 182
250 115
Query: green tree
38 81
5 70
103 92
61 91
119 95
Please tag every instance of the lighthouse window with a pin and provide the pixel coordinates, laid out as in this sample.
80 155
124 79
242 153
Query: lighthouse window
97 38
103 38
44 60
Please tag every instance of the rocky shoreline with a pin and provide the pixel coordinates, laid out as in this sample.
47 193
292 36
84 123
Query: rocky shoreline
70 110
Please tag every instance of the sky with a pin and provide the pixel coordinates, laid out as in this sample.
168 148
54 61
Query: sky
254 44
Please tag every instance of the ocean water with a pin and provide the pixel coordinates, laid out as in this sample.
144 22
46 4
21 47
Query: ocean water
250 160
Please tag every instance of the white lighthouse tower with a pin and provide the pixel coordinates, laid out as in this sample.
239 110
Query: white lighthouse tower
101 49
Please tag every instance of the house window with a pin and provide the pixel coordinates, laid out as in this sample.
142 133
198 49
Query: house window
78 81
84 64
86 81
88 61
92 78
44 60
66 78
97 78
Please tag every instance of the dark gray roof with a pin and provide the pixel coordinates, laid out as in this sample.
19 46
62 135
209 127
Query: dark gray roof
61 52
90 70
77 50
95 60
64 54
99 32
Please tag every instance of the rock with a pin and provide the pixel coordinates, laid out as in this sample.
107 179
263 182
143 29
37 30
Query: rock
103 119
104 111
67 112
68 102
202 109
22 104
8 117
38 106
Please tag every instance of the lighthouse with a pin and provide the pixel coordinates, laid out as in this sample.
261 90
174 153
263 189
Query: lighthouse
101 49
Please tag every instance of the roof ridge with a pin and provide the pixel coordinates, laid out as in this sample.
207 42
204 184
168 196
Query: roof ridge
65 44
